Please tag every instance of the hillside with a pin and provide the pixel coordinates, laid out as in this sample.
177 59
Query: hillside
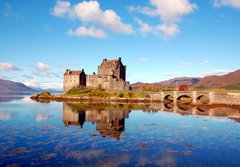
229 80
179 81
9 88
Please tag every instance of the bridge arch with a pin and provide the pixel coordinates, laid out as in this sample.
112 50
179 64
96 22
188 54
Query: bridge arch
203 99
184 99
168 98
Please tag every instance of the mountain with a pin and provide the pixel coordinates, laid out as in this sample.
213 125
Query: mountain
229 80
179 81
9 87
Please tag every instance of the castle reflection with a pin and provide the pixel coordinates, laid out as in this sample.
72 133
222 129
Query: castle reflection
109 122
110 118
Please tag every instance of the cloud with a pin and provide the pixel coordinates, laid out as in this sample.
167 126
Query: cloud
43 67
61 8
4 116
90 32
169 30
186 63
170 12
215 72
144 10
42 117
144 59
27 76
44 85
9 12
205 62
168 74
166 30
90 13
229 3
8 67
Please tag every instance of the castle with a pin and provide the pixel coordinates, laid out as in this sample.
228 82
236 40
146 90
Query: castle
111 75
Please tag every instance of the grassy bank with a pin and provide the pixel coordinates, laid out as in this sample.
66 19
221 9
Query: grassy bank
81 91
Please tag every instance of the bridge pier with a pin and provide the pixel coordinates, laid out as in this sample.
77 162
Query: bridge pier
194 97
211 97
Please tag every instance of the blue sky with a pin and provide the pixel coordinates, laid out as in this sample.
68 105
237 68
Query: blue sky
157 39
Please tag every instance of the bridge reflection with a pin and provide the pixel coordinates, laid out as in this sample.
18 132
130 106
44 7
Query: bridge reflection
226 111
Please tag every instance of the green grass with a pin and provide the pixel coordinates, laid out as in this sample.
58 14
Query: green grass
45 94
81 91
79 107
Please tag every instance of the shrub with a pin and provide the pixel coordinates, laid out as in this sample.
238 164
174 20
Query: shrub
45 93
120 94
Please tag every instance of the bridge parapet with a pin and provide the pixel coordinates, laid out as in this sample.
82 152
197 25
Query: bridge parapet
214 98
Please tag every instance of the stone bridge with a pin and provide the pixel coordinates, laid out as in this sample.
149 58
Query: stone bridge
196 96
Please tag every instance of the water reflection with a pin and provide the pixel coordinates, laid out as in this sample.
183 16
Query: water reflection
151 135
221 111
10 98
109 122
110 119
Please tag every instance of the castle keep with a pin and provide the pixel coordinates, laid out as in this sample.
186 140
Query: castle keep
111 75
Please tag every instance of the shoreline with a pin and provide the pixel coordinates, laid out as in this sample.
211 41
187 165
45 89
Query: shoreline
124 100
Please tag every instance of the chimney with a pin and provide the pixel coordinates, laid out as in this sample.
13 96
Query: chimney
68 71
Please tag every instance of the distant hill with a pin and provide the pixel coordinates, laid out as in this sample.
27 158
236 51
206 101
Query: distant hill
9 88
231 80
179 81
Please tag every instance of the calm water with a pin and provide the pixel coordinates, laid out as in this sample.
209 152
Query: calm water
46 134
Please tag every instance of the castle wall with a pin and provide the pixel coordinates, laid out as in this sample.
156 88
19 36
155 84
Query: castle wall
111 75
70 81
95 81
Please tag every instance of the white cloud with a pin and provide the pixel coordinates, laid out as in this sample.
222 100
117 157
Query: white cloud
8 67
4 116
144 10
90 13
42 117
44 85
43 67
166 30
144 59
205 62
170 12
144 28
168 74
169 30
229 3
61 8
215 72
90 32
28 76
9 12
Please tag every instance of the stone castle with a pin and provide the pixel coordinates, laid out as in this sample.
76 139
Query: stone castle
111 75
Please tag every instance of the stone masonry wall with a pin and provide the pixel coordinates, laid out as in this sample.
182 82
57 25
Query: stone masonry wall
70 81
94 81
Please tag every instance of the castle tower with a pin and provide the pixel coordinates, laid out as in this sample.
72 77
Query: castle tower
113 68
